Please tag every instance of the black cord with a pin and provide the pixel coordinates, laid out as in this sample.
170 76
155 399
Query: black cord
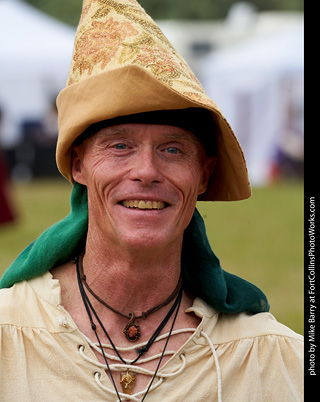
165 346
87 303
145 348
89 308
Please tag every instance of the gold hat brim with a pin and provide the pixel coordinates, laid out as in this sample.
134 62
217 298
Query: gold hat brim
130 90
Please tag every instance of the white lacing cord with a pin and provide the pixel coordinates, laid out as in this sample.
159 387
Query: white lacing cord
121 367
139 370
216 360
159 338
96 347
160 376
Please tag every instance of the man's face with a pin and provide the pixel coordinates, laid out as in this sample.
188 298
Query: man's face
143 181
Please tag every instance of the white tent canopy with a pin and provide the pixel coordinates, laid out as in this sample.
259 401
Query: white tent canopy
35 55
257 83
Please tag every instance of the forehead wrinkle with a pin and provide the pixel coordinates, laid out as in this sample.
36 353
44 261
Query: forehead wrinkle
184 136
172 134
115 130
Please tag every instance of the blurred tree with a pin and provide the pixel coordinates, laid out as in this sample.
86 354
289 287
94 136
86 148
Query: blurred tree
69 11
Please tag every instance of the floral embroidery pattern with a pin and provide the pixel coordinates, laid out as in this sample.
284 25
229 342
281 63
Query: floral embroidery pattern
115 33
161 62
100 43
134 13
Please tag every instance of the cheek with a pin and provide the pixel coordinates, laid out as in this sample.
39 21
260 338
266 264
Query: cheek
192 179
97 168
187 183
96 180
105 181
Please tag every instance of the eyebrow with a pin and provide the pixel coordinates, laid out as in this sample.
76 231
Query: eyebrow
172 133
184 136
115 130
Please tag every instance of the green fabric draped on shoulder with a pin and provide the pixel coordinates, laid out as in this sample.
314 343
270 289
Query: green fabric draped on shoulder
201 269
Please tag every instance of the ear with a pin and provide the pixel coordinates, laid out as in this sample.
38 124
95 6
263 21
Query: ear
76 165
209 164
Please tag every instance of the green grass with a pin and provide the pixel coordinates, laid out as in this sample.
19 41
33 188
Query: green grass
38 205
260 239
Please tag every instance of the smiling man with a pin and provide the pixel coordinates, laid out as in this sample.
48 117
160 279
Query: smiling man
124 299
143 182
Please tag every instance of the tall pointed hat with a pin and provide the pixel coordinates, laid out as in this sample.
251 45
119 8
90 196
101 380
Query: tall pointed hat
122 64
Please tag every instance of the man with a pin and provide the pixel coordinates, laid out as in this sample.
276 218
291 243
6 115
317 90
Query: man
124 299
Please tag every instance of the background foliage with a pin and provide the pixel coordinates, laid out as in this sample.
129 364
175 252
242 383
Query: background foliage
69 11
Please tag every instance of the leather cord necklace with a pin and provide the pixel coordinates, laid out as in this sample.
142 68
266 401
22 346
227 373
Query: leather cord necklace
132 331
127 378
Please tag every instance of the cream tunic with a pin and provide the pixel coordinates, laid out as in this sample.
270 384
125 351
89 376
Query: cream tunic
229 358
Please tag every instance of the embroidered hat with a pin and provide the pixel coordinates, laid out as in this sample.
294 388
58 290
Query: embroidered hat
122 64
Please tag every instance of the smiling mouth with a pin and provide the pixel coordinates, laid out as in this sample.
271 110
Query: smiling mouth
140 204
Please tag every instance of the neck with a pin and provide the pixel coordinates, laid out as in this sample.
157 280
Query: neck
127 285
131 281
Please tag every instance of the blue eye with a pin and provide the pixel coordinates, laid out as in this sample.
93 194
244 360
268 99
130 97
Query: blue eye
120 146
172 150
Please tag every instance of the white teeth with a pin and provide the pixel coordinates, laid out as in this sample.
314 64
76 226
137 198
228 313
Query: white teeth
143 204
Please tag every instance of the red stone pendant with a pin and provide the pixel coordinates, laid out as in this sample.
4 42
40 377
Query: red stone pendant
131 330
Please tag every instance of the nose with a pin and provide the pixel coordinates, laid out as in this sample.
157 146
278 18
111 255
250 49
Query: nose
145 168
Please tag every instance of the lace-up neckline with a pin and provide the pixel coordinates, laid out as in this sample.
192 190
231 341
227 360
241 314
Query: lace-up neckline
160 376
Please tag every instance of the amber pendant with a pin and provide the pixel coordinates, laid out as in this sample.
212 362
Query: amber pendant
131 330
127 381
